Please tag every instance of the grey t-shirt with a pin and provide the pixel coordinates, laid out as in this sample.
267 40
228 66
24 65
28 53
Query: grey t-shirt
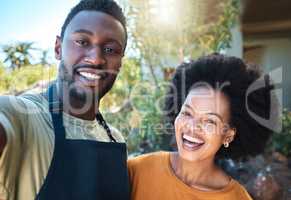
26 158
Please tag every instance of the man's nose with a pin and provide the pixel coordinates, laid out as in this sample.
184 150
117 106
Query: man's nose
95 56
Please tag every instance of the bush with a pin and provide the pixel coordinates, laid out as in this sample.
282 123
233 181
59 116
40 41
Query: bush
133 106
15 81
281 142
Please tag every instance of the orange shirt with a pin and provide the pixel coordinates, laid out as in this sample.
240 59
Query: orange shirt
152 179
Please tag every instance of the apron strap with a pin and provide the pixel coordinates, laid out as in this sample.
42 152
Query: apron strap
56 110
103 123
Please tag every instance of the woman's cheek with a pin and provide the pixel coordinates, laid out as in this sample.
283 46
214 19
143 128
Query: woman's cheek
178 123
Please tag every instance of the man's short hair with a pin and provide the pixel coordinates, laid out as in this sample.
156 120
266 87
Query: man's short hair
109 7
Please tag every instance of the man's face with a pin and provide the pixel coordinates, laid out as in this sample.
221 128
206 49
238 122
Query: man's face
90 53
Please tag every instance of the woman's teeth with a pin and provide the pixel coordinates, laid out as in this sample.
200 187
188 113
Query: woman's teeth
192 139
191 143
90 76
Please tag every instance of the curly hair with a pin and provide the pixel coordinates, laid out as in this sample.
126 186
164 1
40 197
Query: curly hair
109 7
216 70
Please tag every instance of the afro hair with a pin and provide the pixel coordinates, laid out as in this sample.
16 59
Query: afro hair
216 69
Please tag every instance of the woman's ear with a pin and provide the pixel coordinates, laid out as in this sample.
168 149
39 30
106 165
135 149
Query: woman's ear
58 48
230 135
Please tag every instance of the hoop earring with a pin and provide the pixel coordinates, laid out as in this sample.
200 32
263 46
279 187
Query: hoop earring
226 144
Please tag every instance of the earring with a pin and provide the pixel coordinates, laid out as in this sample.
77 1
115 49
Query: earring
86 60
226 144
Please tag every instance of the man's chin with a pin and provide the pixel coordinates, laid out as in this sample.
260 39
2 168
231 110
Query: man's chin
84 94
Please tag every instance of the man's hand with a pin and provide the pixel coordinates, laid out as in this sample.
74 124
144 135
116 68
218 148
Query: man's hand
2 139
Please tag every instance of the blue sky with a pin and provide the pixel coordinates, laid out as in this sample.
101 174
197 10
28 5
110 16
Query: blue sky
32 20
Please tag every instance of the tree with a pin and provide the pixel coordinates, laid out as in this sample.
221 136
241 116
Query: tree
18 54
44 58
2 77
167 32
128 77
164 33
133 108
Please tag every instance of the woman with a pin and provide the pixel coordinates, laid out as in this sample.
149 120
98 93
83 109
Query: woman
209 104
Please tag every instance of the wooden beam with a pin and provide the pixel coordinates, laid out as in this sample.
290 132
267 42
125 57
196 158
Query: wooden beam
266 27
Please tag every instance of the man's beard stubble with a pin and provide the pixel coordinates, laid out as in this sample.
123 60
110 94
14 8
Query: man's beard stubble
67 86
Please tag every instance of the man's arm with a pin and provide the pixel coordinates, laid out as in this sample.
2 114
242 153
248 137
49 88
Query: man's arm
3 139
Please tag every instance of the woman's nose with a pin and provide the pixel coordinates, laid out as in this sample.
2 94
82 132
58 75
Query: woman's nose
194 125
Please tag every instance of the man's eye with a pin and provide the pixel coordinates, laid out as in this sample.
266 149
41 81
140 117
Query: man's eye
108 50
82 42
112 50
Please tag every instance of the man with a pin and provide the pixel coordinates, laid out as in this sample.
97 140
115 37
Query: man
56 145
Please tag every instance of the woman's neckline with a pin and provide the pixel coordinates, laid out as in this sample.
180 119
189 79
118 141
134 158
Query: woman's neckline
228 187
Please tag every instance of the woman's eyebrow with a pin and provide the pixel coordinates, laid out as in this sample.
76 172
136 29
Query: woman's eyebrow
210 113
187 106
215 114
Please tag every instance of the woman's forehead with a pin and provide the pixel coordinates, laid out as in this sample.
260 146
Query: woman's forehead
205 100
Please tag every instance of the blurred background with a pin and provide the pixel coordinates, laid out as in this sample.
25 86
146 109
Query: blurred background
162 34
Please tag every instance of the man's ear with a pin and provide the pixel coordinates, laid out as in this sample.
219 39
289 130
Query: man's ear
58 48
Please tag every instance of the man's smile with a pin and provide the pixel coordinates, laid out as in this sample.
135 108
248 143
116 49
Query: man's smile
91 74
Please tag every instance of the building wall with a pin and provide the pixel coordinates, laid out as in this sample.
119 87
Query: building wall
273 54
236 43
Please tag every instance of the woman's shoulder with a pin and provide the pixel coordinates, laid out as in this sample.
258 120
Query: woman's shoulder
240 191
234 190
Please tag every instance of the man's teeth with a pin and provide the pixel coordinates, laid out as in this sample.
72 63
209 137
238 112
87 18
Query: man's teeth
191 139
90 75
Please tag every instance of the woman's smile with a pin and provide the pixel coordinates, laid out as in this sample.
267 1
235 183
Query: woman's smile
191 143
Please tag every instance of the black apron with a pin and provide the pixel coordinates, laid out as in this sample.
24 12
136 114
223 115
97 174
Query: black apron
84 169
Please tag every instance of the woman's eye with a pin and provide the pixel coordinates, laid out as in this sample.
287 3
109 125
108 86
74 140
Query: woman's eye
185 113
210 121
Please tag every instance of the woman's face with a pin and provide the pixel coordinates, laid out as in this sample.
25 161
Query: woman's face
201 126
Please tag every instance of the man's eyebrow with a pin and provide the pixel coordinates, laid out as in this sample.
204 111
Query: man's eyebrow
91 34
83 31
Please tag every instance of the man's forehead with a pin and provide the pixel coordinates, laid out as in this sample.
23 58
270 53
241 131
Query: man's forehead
96 22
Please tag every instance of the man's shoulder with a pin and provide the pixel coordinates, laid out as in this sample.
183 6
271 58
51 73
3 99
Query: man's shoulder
19 103
35 103
34 99
10 103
